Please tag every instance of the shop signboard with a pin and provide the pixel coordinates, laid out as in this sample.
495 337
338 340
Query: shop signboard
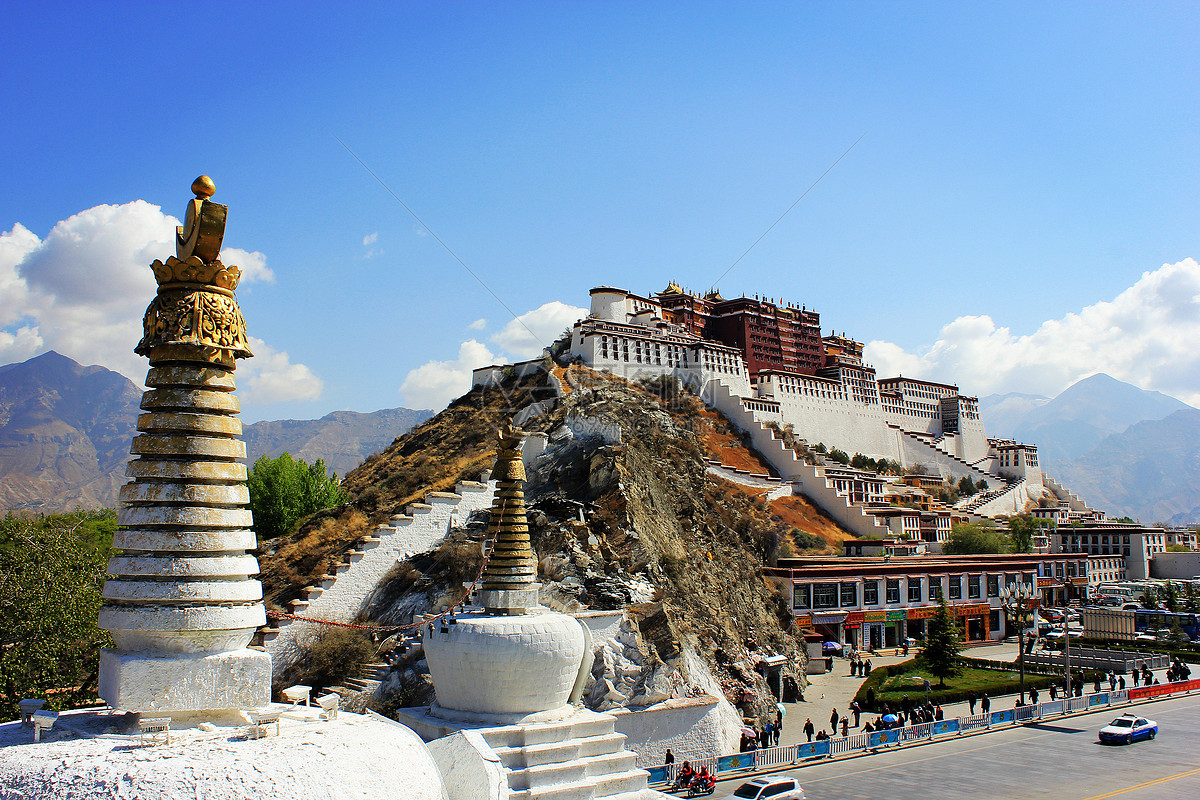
874 616
896 615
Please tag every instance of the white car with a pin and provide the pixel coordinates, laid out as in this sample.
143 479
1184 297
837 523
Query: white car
1127 729
775 787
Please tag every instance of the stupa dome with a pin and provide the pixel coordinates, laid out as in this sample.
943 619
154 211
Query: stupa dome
353 756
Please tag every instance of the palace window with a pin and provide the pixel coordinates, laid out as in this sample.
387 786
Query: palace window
993 584
955 587
849 594
972 586
914 590
802 596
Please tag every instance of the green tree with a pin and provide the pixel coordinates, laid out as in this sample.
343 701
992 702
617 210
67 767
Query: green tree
943 643
975 537
1021 530
1191 603
839 456
284 491
52 570
1149 598
1169 596
966 486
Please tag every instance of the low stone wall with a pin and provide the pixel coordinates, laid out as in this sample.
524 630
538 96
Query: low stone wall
700 725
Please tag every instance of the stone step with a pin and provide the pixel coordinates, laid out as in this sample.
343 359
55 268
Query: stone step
613 786
548 733
597 767
535 755
360 685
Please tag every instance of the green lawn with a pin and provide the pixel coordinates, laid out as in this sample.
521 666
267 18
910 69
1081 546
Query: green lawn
972 681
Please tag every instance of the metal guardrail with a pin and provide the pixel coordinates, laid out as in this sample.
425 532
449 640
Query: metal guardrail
912 734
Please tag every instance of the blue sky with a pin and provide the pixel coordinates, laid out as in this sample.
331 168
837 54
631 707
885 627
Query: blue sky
1025 172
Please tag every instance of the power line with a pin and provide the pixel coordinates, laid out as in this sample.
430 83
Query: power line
437 238
785 213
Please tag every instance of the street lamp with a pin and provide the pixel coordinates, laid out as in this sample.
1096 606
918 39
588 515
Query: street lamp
1017 600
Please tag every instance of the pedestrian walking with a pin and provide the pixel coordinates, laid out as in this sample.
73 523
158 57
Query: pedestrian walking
669 763
1053 691
857 709
845 726
867 667
833 719
764 736
1033 695
1136 675
938 714
985 703
971 703
809 728
778 730
1096 683
926 686
1112 681
1121 682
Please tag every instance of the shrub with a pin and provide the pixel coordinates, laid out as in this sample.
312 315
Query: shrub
331 656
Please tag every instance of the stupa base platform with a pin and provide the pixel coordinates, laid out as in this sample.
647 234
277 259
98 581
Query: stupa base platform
575 755
185 682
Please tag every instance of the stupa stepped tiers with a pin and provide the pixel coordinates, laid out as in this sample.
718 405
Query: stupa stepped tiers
181 602
507 676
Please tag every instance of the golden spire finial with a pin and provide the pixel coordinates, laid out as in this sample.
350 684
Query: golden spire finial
511 564
203 187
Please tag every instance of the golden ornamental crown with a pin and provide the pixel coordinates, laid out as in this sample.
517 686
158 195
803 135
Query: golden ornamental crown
196 263
194 273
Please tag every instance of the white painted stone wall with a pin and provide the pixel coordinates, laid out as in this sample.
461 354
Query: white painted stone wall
937 460
696 725
470 768
582 427
341 599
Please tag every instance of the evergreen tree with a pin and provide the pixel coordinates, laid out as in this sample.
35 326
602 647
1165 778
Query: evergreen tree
51 573
943 643
284 491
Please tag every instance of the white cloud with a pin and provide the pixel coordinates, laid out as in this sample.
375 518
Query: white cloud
526 335
1146 336
478 325
436 383
370 239
252 264
271 377
83 289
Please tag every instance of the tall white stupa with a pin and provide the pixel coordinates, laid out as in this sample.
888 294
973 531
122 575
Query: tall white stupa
508 677
180 603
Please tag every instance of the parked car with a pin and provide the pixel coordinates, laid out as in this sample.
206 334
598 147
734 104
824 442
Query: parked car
776 787
1127 729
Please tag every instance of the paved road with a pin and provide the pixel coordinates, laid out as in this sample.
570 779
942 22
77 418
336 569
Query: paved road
1058 759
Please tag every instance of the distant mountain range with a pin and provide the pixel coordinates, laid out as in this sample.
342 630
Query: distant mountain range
1125 450
65 431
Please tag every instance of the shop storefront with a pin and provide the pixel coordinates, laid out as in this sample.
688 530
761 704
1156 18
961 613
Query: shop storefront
975 619
854 629
829 624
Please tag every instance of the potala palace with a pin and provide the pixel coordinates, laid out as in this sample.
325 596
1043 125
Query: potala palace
767 367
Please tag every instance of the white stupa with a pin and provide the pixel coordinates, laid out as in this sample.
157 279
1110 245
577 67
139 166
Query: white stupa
181 603
507 677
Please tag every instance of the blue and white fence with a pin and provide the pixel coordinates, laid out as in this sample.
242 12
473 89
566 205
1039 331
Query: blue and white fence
899 737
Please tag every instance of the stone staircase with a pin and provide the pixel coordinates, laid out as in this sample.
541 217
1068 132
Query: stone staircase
368 678
578 759
982 498
338 596
975 472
